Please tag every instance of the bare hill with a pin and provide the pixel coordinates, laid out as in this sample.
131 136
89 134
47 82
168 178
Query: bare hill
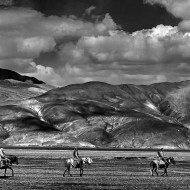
8 74
97 114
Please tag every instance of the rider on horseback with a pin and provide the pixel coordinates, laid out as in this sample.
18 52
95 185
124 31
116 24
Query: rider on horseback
3 159
160 157
161 154
76 155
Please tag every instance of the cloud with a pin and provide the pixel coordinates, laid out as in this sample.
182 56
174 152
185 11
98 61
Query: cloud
178 8
19 65
144 56
33 46
26 34
17 17
7 3
185 25
25 47
46 74
158 45
89 10
83 50
64 27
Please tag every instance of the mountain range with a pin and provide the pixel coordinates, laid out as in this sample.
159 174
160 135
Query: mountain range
93 114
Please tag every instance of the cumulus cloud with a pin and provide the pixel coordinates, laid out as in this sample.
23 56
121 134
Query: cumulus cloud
89 10
61 27
178 8
19 65
7 3
46 74
185 25
25 47
158 45
33 46
26 34
17 17
144 56
21 22
91 50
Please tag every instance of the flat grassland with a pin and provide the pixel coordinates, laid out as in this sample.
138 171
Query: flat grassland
43 169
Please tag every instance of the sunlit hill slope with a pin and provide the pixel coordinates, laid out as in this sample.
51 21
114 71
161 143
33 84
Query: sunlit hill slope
95 114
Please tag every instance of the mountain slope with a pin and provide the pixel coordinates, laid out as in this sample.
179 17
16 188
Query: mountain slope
8 74
15 87
98 114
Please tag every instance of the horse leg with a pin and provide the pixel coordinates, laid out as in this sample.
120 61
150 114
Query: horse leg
156 171
12 171
151 172
5 171
81 172
64 172
69 171
166 172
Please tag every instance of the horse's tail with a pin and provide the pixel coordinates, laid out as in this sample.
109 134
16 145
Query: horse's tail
66 163
152 164
16 160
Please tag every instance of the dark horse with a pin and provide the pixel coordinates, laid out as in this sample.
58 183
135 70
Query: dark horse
10 159
72 163
164 165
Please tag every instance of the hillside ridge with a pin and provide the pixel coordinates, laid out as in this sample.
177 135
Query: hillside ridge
98 114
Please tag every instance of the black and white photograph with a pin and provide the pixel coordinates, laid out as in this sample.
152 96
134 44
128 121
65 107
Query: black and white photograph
95 94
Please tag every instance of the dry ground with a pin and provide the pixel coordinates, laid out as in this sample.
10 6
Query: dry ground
43 169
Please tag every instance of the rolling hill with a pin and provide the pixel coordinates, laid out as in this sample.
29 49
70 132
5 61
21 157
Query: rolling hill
97 114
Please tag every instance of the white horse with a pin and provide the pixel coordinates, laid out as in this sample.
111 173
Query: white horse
72 163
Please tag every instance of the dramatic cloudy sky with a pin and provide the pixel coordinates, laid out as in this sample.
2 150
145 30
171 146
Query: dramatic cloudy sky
116 41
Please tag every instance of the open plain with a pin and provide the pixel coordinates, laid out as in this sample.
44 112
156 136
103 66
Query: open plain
43 169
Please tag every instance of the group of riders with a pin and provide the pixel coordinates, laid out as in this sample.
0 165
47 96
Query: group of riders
159 160
76 158
4 159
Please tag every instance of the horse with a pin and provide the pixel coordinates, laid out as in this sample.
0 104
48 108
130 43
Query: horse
69 163
10 159
154 165
13 158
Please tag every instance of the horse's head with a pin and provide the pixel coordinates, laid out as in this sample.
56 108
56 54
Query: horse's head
87 160
171 160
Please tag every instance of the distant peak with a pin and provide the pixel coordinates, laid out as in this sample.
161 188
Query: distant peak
8 74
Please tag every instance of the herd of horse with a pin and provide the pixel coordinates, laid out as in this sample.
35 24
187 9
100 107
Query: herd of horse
72 163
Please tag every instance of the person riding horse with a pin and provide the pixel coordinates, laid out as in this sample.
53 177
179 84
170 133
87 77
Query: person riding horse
3 159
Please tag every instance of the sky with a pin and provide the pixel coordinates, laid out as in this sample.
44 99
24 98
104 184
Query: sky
64 42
